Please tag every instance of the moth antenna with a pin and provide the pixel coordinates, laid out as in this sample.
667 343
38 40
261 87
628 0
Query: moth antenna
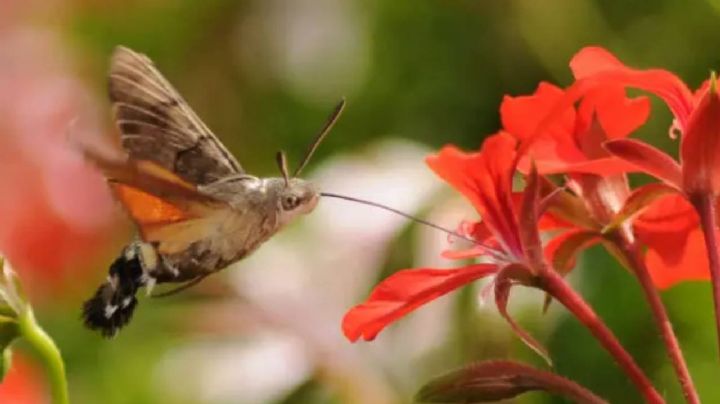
329 123
282 165
491 250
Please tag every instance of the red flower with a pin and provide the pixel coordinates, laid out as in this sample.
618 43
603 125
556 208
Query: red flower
485 178
22 383
697 118
600 86
54 210
571 142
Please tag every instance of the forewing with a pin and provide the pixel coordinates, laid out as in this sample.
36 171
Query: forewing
157 124
154 197
171 227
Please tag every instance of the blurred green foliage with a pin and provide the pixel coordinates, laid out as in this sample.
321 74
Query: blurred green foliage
435 73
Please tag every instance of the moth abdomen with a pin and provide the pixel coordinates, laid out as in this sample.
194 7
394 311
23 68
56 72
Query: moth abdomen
113 304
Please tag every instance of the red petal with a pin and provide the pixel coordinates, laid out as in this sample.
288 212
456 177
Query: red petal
700 147
550 144
677 257
599 65
672 213
618 115
485 178
676 249
555 137
602 166
521 115
700 92
648 159
465 253
403 292
593 60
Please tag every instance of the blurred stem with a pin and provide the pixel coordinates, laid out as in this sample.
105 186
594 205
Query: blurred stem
556 286
45 347
634 262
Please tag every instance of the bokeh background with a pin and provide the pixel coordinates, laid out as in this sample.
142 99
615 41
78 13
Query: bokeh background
263 74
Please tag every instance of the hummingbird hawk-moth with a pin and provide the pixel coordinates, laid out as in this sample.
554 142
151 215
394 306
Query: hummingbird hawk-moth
195 208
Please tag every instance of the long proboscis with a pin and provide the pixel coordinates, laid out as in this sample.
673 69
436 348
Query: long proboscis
492 251
329 123
401 213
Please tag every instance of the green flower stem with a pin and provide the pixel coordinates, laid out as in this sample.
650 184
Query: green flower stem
45 347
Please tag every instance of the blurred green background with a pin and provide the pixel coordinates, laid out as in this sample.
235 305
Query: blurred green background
417 74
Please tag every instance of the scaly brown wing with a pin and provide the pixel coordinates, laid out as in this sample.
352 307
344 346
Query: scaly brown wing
156 124
157 200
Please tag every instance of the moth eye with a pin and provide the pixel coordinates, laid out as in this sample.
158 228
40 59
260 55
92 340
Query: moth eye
291 202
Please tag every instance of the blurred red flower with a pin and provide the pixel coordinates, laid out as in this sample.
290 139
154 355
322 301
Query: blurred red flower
54 210
23 383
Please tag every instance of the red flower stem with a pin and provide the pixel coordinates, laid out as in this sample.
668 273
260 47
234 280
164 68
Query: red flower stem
705 205
556 286
637 265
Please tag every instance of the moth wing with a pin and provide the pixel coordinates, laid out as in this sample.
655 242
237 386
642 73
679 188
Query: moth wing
171 227
149 210
155 198
176 237
156 123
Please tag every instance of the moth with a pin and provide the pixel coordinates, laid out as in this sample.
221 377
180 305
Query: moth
195 208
